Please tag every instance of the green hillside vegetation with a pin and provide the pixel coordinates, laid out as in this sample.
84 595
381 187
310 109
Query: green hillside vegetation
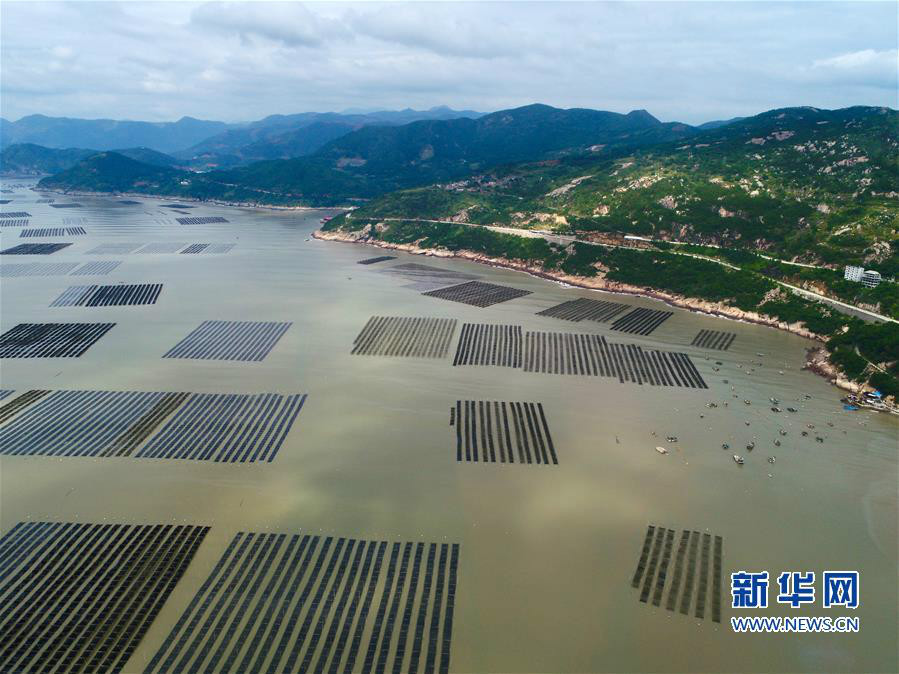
374 160
800 183
852 342
27 159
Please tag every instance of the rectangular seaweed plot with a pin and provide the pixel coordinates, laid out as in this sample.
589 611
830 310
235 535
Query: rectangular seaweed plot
405 336
35 249
36 269
714 339
218 248
71 205
491 431
162 247
84 423
592 355
426 277
583 309
21 222
478 293
52 231
209 220
374 260
195 248
681 571
14 214
100 268
229 340
79 597
108 296
299 603
641 321
225 427
114 248
489 344
51 340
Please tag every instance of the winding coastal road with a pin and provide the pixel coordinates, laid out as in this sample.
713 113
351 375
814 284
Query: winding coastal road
562 239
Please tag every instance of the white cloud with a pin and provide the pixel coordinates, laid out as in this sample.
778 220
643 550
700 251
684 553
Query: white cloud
238 61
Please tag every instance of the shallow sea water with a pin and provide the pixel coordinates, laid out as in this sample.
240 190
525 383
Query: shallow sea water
547 552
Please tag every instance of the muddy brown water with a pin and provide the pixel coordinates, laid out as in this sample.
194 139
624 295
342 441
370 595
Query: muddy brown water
547 552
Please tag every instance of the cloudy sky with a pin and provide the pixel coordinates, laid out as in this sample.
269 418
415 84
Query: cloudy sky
240 61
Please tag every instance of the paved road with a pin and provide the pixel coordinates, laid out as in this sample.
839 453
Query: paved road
842 307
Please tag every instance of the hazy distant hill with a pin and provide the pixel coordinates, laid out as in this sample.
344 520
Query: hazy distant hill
288 136
106 134
376 159
28 159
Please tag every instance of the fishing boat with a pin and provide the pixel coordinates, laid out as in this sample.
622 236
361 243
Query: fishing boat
661 450
738 459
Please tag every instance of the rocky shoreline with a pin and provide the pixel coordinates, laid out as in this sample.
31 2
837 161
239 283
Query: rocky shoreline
816 358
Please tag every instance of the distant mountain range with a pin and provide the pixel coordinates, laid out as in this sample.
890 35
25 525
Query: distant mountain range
375 159
28 159
207 145
106 134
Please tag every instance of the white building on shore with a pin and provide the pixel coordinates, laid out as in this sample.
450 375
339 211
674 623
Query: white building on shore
869 277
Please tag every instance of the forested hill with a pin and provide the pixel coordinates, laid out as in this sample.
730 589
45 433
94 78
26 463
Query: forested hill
798 182
378 159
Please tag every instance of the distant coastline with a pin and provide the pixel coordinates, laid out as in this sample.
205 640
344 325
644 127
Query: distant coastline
193 200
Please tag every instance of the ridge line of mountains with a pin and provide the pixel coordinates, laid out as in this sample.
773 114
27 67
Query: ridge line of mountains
799 182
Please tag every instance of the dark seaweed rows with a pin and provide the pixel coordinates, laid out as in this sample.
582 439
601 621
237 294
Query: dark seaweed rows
230 340
36 269
35 249
405 336
276 603
114 248
227 427
216 427
500 429
207 248
478 293
373 260
588 354
585 309
22 222
489 344
77 423
53 231
50 340
653 568
208 220
641 321
19 403
417 272
714 339
105 296
71 205
15 214
80 597
5 392
100 268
